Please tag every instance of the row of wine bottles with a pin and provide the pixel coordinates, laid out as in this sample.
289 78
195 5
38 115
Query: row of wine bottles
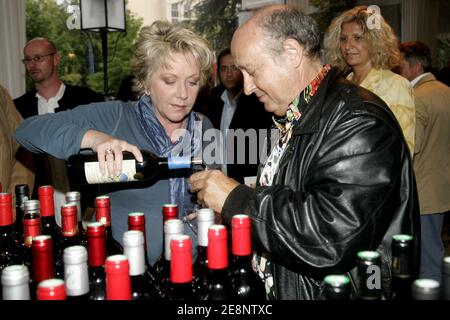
404 285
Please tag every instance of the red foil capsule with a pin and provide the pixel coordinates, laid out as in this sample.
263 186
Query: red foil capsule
69 220
118 283
6 217
32 227
51 289
217 251
241 244
46 200
103 210
181 259
136 221
96 234
169 211
42 251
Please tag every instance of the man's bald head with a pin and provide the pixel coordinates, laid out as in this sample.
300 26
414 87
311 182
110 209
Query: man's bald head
44 42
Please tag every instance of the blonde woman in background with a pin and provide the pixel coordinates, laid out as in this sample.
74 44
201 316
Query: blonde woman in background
369 54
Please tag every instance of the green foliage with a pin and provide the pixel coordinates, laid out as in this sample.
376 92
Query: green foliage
47 18
327 10
442 57
216 20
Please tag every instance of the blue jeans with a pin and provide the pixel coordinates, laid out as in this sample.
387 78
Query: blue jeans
432 249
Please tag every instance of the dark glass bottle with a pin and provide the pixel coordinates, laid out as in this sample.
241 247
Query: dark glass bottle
425 289
205 219
402 266
246 284
368 281
43 263
84 168
47 211
181 269
103 215
51 289
15 282
10 252
75 198
219 285
76 276
32 227
118 284
446 278
96 260
142 286
337 287
69 235
22 194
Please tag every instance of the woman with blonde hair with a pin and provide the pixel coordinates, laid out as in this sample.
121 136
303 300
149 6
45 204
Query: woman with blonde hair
361 42
170 64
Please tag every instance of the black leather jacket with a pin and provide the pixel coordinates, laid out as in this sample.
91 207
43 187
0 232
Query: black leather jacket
345 183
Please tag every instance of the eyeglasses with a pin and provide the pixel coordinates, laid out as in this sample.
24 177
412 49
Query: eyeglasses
36 58
224 69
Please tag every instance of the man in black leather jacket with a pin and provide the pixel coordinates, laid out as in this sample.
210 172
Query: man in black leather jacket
339 179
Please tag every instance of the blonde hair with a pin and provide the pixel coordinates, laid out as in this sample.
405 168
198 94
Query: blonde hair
157 42
382 41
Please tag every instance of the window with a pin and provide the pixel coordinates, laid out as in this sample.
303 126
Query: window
174 12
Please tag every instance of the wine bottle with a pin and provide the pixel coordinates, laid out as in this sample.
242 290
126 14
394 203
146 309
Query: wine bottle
368 282
446 278
118 284
219 286
425 289
32 227
47 211
402 266
161 269
84 168
69 235
22 192
246 284
337 287
96 260
76 276
205 219
141 284
136 221
43 263
103 215
51 289
75 197
181 277
15 283
10 252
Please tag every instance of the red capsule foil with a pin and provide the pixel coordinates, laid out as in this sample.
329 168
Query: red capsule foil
118 283
169 211
136 221
241 244
96 244
217 250
181 259
69 220
46 200
31 228
52 289
6 216
103 210
42 247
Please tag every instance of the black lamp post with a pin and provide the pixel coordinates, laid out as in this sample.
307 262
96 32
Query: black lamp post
103 16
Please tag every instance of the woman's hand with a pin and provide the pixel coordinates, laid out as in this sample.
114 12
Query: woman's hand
109 151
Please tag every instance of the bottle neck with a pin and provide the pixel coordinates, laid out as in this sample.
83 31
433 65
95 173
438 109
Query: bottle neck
118 286
96 251
43 265
32 227
16 292
76 278
136 258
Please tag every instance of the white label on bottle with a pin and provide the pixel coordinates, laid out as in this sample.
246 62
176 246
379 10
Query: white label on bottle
93 174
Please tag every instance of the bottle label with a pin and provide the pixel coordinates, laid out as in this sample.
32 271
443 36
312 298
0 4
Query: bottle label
179 163
93 174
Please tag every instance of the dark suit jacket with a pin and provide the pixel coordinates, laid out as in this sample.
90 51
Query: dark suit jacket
249 114
27 105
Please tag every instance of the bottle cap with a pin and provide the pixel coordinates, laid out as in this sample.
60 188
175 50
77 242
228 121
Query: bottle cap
169 211
6 216
96 234
133 238
205 214
133 248
118 285
51 289
69 220
46 200
171 228
241 244
425 289
76 270
75 255
103 211
136 221
15 275
32 205
337 287
73 196
206 219
181 262
217 251
446 265
22 189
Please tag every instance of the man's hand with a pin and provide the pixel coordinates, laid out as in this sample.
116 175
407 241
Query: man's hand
212 187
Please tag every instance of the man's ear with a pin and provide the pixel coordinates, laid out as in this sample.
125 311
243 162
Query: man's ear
293 51
57 57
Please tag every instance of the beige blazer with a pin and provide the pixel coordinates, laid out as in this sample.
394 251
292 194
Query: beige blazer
432 149
12 171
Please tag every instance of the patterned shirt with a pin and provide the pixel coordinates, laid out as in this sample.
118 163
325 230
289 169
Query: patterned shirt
262 264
